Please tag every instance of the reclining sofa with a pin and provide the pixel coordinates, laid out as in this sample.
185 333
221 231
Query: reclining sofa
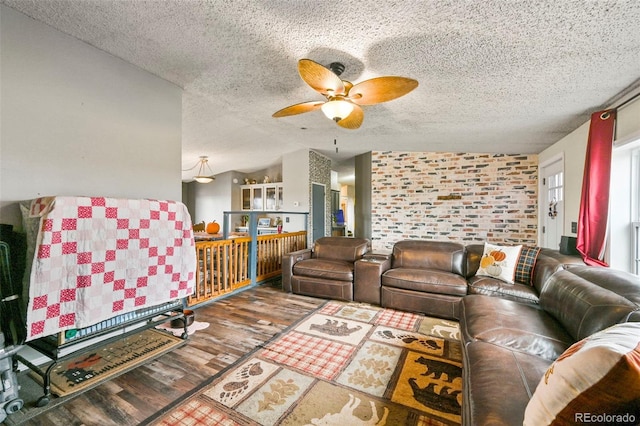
431 277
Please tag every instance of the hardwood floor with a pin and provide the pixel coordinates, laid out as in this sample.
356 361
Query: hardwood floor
238 324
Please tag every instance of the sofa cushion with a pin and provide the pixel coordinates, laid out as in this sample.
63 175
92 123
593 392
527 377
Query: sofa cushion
340 248
513 325
588 299
525 265
499 262
493 287
425 280
426 254
498 383
599 375
323 268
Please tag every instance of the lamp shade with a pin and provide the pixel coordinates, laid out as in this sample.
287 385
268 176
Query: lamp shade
203 179
337 109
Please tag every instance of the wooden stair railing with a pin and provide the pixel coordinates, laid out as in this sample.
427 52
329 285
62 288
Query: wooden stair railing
223 265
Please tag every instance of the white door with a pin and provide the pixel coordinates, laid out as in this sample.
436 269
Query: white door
552 203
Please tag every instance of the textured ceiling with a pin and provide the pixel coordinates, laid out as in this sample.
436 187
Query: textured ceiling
495 76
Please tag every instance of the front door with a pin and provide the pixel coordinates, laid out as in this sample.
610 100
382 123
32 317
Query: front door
552 203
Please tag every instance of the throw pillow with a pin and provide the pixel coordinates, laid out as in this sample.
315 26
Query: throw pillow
525 265
499 262
596 380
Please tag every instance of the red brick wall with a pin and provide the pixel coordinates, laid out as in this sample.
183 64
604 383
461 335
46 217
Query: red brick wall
483 197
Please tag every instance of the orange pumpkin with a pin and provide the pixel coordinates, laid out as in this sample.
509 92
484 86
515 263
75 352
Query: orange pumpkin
487 260
498 255
213 227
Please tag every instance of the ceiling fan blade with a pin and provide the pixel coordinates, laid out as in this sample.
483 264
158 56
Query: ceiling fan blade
381 89
353 120
298 108
321 79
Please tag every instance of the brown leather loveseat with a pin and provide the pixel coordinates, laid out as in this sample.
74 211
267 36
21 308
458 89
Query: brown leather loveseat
325 271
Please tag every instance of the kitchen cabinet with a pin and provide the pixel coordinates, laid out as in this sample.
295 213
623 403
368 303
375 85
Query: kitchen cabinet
261 196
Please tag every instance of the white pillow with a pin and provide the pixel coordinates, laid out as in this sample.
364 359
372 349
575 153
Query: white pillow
596 380
499 262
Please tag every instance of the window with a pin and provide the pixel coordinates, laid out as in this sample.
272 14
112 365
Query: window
624 210
635 208
555 187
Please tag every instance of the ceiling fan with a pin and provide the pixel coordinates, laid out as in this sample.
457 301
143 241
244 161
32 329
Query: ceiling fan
344 99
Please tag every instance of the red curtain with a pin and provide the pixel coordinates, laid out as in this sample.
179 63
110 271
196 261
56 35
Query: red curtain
593 219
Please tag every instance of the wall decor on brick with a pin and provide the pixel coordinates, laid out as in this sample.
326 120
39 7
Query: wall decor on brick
456 197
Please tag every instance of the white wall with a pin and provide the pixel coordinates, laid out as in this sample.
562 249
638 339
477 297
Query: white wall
295 189
574 147
77 121
213 198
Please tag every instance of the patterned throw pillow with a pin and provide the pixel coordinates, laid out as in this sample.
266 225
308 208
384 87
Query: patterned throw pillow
596 380
525 265
499 262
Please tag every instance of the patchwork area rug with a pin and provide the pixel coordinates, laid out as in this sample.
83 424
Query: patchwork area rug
345 364
90 368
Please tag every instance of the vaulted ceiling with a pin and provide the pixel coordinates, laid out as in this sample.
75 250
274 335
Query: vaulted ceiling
509 76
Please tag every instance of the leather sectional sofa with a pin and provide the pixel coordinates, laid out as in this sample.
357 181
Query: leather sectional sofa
511 333
509 346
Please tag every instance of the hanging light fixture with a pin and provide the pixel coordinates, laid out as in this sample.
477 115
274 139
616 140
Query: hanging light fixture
337 109
201 177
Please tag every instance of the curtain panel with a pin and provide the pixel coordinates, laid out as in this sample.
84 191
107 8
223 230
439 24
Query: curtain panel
593 220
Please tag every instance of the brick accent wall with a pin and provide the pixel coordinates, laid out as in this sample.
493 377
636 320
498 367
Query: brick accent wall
453 197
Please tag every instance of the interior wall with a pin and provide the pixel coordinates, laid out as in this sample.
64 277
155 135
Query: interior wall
453 197
214 198
362 202
78 121
296 191
574 147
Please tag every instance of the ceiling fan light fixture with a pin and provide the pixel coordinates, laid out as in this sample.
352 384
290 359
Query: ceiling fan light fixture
337 109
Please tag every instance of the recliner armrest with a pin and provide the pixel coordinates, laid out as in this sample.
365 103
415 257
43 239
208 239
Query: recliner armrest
288 261
367 281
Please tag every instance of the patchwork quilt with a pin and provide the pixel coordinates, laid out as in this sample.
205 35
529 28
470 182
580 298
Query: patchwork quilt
98 257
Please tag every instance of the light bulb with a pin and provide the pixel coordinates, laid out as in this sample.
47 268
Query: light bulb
337 109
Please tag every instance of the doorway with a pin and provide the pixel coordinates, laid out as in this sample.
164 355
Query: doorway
318 210
552 202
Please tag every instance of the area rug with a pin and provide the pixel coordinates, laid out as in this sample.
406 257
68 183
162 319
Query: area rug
93 367
344 364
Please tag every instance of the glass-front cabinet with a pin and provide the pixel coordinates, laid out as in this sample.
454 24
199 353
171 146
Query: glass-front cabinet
266 196
270 197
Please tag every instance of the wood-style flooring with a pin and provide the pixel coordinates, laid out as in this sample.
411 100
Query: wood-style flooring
238 324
